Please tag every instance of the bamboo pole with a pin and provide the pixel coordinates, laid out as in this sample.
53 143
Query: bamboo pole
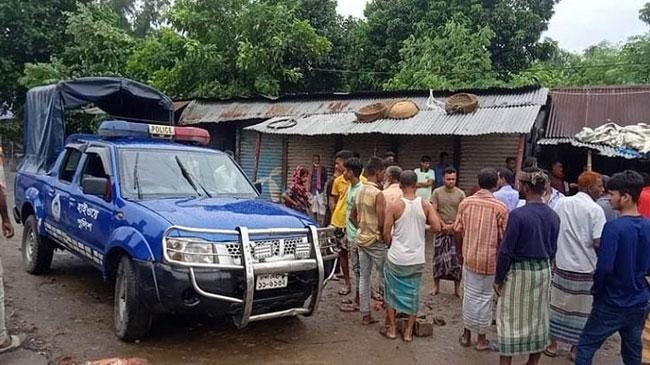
589 160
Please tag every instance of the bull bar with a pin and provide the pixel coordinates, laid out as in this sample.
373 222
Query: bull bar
251 269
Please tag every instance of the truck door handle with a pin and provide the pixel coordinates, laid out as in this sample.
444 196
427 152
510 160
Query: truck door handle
50 191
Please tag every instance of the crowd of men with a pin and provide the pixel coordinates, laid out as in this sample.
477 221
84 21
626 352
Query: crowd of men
562 268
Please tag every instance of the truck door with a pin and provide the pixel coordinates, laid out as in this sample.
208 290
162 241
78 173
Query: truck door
57 195
94 213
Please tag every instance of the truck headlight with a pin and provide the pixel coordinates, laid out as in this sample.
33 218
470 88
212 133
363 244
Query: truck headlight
192 250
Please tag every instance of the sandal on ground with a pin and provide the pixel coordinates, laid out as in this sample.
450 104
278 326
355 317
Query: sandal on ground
464 343
489 346
344 291
347 301
550 353
348 308
369 321
16 341
439 321
384 332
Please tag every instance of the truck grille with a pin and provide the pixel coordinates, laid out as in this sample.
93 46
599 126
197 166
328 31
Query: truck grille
281 247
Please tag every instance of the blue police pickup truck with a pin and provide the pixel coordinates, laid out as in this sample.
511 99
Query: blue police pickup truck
177 226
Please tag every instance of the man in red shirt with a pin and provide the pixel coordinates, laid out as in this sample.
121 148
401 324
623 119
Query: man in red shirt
644 199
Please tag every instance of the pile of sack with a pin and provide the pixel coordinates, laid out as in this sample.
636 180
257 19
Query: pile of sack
636 137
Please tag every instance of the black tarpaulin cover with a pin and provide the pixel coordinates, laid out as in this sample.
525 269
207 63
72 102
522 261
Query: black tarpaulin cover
118 97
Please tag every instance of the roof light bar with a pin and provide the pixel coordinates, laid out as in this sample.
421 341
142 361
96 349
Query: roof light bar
120 128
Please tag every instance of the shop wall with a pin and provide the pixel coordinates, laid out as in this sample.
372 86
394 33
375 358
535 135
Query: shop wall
483 151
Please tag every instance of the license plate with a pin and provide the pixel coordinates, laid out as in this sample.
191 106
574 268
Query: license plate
161 130
271 281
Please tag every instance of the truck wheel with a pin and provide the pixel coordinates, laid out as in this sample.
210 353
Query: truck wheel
132 319
37 250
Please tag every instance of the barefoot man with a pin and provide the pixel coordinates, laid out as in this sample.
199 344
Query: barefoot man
446 263
404 231
481 221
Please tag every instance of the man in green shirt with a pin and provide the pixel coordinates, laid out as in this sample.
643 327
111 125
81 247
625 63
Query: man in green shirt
426 178
352 175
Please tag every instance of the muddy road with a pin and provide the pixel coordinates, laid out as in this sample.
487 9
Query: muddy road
67 316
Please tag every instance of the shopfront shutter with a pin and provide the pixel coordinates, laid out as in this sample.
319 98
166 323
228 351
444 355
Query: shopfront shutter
483 151
269 171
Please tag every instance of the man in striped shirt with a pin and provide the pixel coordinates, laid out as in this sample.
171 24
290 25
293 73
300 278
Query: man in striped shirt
481 222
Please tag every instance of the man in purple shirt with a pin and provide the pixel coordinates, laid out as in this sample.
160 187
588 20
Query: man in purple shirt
621 290
506 193
523 278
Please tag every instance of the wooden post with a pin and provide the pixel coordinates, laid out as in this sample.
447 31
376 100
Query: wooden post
258 151
589 160
520 157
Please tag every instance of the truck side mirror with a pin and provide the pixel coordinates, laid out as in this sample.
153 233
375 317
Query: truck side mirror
258 187
97 186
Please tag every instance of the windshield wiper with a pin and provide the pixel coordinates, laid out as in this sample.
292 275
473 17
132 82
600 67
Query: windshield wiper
136 181
190 179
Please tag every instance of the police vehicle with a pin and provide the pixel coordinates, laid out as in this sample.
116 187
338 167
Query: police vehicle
179 228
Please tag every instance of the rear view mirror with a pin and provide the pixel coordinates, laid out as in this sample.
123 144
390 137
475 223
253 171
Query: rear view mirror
258 187
97 186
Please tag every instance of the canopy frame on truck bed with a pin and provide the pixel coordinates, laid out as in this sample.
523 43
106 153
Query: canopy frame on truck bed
46 105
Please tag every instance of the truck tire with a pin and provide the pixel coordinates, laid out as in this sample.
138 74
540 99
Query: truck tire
37 251
131 318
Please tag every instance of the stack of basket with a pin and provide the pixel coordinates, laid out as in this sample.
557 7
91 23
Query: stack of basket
402 109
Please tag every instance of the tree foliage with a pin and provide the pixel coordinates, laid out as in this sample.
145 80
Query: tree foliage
516 24
455 58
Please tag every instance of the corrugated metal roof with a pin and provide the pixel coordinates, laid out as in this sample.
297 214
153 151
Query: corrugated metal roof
511 120
575 108
601 149
206 111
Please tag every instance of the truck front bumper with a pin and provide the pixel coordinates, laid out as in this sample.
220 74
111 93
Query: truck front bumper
230 289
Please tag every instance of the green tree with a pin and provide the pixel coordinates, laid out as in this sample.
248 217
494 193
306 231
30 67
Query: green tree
644 13
30 31
97 47
230 47
517 25
453 59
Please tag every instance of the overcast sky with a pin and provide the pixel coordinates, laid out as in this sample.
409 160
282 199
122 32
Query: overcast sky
576 25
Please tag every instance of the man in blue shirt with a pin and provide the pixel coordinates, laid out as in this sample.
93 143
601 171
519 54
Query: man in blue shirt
506 193
621 290
440 168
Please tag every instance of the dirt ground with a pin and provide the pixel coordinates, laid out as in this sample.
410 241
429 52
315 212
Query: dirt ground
67 315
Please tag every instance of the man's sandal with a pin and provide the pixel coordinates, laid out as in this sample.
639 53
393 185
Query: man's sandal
464 343
16 341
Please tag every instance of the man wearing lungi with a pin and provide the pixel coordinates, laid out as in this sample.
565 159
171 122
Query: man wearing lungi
446 263
404 230
621 289
523 279
581 225
481 221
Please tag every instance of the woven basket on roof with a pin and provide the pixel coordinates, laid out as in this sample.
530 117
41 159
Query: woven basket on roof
372 112
461 103
402 109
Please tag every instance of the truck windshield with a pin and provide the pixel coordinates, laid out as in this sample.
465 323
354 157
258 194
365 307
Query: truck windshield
146 173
